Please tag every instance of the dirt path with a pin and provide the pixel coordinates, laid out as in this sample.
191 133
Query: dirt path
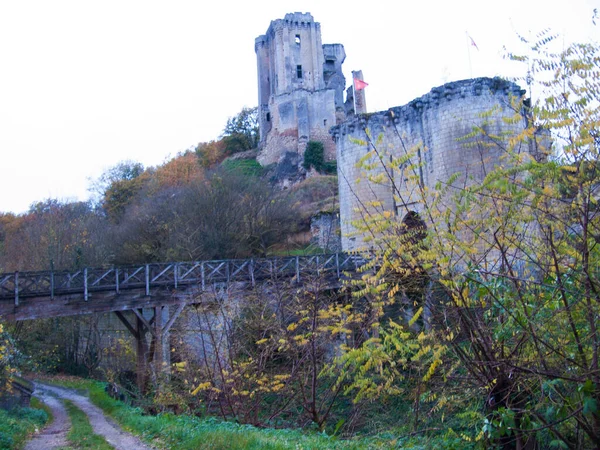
55 434
102 425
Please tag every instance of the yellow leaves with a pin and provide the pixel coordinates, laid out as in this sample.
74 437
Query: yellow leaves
202 387
431 369
414 318
262 341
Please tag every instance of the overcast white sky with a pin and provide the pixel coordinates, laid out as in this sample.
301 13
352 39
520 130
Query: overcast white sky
84 85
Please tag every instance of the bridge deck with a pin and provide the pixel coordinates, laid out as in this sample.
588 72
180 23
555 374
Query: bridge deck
33 295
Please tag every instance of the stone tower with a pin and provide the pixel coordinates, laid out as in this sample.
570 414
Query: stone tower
300 87
439 125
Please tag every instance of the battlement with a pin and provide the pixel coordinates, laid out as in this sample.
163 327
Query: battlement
298 17
438 96
295 20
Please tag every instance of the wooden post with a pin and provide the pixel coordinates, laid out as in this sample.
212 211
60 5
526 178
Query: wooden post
176 274
52 285
158 334
297 269
16 288
147 280
85 285
117 280
337 264
252 272
160 368
141 347
202 274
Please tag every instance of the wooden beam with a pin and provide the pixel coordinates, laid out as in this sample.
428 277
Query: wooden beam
144 321
175 315
125 322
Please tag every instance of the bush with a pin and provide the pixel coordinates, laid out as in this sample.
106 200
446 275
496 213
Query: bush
330 168
17 424
314 156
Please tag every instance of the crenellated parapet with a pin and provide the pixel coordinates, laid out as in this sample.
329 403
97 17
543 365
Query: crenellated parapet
440 96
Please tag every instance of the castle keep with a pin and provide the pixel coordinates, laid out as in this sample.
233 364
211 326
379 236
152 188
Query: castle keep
300 87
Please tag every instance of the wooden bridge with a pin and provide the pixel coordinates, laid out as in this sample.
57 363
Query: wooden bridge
35 295
151 288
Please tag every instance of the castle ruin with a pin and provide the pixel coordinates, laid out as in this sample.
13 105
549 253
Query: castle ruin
300 87
301 98
440 126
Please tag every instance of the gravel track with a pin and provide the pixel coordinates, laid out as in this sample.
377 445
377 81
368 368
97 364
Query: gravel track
55 434
102 425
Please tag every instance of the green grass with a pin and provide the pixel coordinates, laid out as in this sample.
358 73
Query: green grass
247 167
18 424
306 251
188 432
82 435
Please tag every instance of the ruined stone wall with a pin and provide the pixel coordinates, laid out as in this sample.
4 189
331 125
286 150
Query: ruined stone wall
300 85
296 118
436 124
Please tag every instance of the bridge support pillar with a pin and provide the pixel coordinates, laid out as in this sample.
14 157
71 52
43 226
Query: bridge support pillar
161 347
157 355
141 355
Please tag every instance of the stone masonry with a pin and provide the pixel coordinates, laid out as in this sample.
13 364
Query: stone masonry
436 124
300 87
301 98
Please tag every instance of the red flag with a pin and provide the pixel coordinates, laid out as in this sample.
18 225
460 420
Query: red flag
472 42
359 84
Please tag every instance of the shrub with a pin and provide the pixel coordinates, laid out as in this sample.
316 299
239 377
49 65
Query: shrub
314 156
17 424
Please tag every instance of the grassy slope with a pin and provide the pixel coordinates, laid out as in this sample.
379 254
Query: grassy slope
18 424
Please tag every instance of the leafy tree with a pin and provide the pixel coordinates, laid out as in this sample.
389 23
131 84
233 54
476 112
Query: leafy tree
267 358
122 193
506 269
189 222
210 153
123 171
241 131
182 170
65 235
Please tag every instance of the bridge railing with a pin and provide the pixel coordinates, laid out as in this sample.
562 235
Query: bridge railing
202 273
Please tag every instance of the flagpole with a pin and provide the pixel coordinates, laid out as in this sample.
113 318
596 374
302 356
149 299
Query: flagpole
354 93
469 54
